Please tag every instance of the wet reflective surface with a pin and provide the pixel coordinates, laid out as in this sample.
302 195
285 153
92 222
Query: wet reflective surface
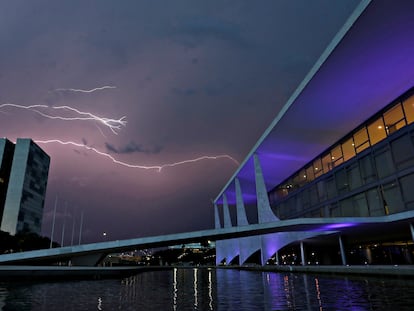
210 289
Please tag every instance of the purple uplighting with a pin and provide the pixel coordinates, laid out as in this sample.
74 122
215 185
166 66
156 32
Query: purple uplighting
375 48
337 226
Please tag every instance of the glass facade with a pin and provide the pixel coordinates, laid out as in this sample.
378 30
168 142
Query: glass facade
23 208
367 173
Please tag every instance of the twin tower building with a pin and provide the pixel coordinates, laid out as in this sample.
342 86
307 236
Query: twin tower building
24 169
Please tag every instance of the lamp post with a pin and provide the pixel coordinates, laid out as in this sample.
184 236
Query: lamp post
53 224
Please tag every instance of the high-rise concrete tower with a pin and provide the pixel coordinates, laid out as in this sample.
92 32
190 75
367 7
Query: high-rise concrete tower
25 187
6 158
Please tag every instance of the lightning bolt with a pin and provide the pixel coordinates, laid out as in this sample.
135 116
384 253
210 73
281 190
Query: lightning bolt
159 168
86 91
112 124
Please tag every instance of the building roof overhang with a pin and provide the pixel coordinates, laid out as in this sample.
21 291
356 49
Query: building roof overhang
368 64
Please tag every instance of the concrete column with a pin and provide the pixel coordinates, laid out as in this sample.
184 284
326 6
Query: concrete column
226 213
412 231
217 223
302 253
342 249
241 211
277 258
264 211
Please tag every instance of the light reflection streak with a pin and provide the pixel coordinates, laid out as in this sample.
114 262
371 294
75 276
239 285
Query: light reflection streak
318 294
210 291
159 168
99 303
195 289
175 289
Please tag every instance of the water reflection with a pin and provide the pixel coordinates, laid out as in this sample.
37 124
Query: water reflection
3 296
211 289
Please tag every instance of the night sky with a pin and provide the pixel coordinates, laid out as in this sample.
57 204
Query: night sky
192 78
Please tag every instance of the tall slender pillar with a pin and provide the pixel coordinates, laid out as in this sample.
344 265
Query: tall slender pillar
412 231
226 212
241 211
264 211
302 254
277 258
342 249
217 223
247 245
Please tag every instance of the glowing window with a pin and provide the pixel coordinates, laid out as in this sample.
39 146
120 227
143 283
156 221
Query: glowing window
394 119
361 140
336 155
326 163
317 167
348 149
309 173
376 131
409 109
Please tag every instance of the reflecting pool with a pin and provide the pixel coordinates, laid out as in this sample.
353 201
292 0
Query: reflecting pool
211 289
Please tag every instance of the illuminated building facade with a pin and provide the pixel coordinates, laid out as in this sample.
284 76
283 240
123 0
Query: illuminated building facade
342 148
23 174
370 172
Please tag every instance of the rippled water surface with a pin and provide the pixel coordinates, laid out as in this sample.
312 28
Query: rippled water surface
210 289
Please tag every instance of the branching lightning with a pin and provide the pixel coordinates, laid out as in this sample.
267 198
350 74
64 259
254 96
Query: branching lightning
86 91
153 167
112 124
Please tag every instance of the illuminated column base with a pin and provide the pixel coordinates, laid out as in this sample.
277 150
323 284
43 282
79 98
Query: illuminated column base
302 254
342 249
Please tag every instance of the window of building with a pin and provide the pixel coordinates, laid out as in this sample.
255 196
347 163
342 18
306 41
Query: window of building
341 181
360 205
348 149
321 190
394 119
407 183
408 105
313 193
302 178
283 211
292 206
305 199
403 151
346 208
353 176
334 210
336 155
297 181
375 204
376 131
326 163
330 187
384 163
310 173
371 166
392 198
317 167
368 172
361 140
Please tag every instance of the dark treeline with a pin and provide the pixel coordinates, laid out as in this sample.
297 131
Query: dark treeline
23 241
